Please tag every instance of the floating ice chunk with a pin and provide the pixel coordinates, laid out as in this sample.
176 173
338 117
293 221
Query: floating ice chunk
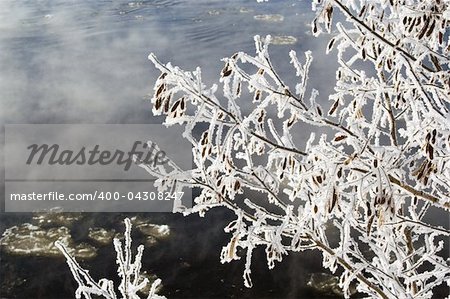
245 10
56 218
101 235
283 40
156 231
327 284
30 240
269 18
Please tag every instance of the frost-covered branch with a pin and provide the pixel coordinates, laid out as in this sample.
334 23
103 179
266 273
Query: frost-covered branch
360 191
129 271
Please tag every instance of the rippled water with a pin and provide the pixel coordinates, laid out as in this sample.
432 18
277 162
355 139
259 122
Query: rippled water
86 61
68 61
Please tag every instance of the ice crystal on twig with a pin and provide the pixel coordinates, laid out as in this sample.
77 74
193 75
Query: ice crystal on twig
128 270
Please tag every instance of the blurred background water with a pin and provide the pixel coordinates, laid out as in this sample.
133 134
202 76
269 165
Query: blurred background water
68 61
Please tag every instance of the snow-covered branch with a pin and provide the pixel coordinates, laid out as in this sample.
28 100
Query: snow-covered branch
379 167
129 271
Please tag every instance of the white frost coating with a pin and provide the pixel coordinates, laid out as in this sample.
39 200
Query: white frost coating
128 270
377 162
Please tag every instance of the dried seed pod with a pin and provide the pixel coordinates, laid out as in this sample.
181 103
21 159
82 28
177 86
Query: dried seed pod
175 106
167 104
257 96
333 200
314 27
430 151
369 225
340 138
389 64
226 71
330 45
291 121
161 88
329 11
232 248
162 76
369 209
158 103
319 111
328 16
319 179
261 116
424 28
363 10
420 172
431 29
204 139
334 107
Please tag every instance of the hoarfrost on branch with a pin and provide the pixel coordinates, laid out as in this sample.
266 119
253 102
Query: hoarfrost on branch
132 280
370 181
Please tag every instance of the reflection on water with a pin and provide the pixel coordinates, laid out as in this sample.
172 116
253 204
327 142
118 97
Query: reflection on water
85 61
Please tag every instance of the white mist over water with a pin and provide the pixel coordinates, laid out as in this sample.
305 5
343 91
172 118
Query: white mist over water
86 61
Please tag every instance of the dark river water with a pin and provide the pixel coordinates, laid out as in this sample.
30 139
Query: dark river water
66 61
